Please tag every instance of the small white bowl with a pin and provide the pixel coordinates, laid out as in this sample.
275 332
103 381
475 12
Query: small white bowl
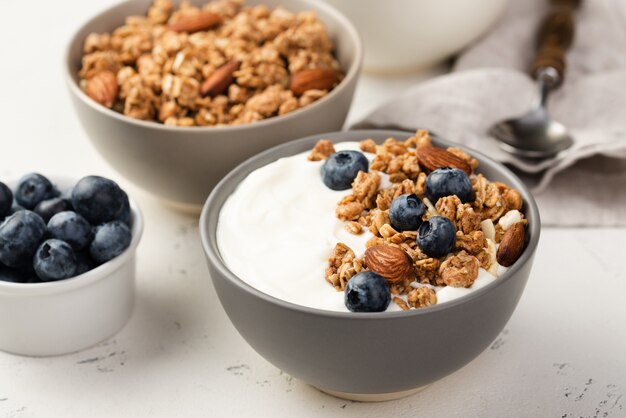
53 318
408 35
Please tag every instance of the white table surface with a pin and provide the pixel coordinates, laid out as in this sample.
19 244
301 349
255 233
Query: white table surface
561 355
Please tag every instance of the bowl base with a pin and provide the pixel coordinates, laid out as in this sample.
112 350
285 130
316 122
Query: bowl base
372 397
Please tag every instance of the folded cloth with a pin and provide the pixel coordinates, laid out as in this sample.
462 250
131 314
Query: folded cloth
582 186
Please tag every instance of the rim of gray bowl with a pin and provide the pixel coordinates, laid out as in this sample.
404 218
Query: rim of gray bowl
352 72
210 211
92 276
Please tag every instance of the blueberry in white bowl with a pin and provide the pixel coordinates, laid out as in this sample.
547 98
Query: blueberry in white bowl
55 260
48 208
20 235
99 199
32 189
110 240
6 200
72 228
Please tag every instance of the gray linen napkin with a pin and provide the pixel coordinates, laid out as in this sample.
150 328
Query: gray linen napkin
583 186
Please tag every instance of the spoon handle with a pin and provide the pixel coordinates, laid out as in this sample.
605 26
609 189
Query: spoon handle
555 36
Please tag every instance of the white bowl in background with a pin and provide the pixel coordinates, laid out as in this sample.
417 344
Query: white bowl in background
53 318
405 35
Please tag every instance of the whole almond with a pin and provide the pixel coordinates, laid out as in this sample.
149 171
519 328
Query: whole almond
221 78
511 245
102 87
313 79
196 22
432 158
390 262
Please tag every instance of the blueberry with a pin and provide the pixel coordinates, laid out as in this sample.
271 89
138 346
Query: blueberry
98 199
6 200
72 228
20 234
367 292
34 188
341 168
15 207
406 212
125 215
84 263
48 208
8 274
55 260
436 236
110 241
448 181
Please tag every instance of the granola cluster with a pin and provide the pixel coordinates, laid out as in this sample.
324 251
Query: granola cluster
480 224
219 64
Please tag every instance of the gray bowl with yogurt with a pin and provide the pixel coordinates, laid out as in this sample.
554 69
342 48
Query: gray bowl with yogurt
363 356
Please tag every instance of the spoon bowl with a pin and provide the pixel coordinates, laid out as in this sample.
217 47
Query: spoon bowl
533 135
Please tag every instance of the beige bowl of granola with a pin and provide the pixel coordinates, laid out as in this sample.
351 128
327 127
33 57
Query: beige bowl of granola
175 98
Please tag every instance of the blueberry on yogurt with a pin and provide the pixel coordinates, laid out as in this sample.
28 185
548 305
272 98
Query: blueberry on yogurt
342 167
20 234
367 292
55 260
436 236
110 240
406 212
447 181
72 228
32 189
98 199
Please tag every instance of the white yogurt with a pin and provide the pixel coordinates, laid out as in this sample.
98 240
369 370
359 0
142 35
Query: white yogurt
278 228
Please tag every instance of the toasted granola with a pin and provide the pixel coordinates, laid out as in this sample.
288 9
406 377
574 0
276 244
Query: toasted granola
220 64
395 170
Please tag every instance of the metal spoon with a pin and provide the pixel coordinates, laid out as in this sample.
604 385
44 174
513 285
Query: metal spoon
535 134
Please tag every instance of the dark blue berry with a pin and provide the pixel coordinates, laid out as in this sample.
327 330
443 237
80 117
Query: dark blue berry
98 199
341 168
367 292
48 208
436 236
34 188
110 241
84 263
8 274
6 200
449 181
20 235
406 212
72 228
55 260
125 215
15 208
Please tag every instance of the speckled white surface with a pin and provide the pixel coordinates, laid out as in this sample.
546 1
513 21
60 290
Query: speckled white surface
561 355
